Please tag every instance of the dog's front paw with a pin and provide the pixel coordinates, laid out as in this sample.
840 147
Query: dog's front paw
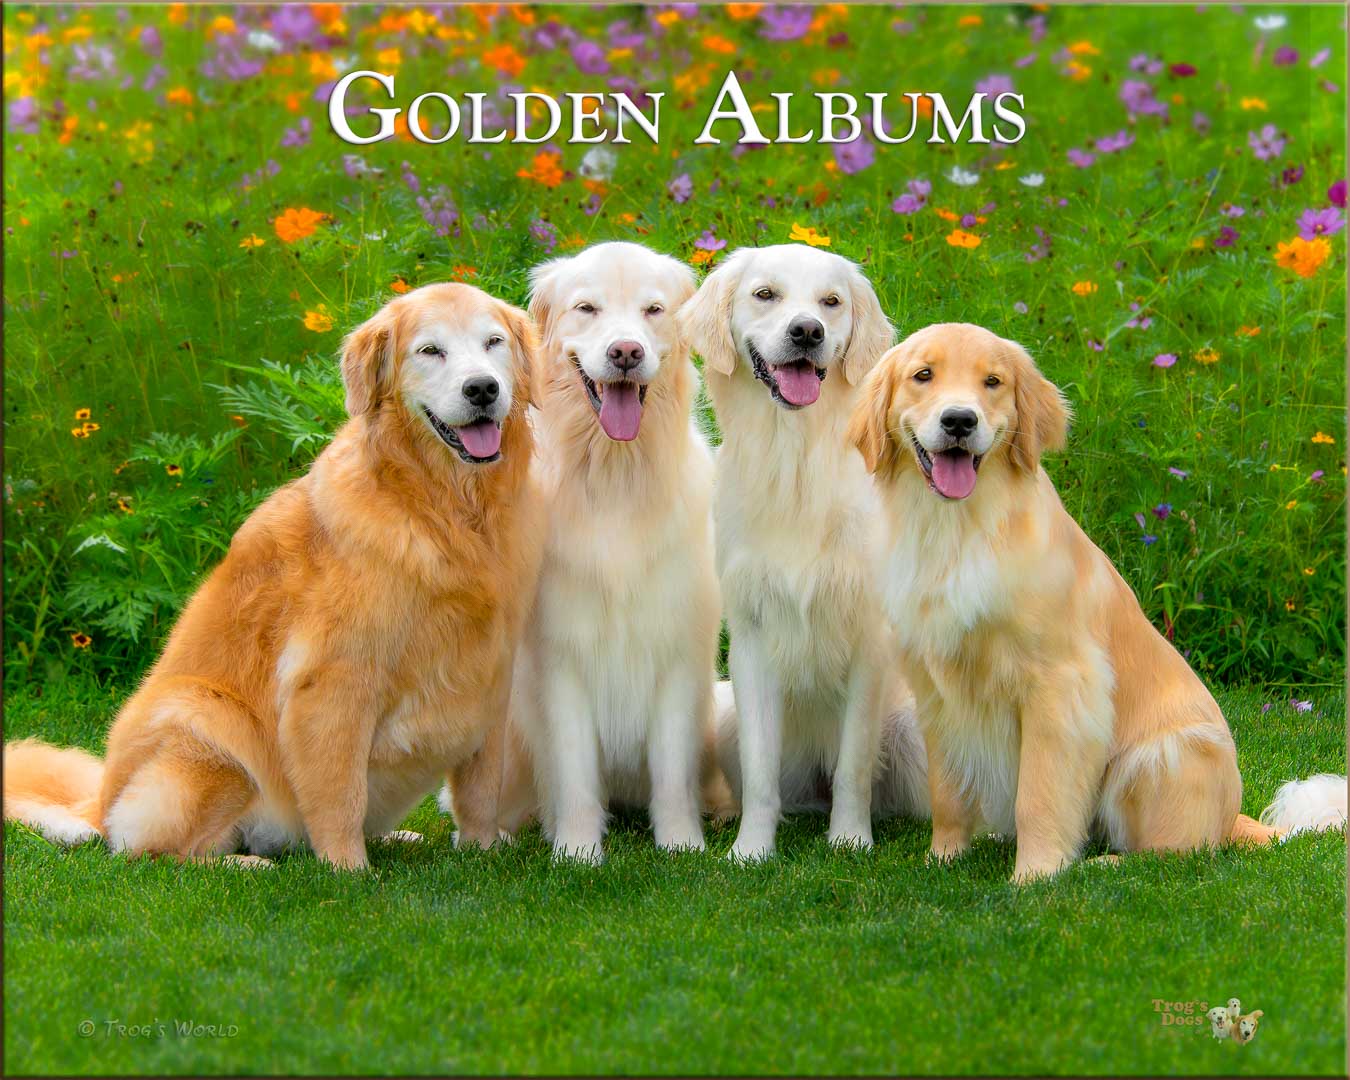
751 849
402 836
248 862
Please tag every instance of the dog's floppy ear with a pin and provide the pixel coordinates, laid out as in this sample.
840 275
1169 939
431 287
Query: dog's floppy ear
544 294
367 362
706 319
871 333
524 344
869 426
1042 413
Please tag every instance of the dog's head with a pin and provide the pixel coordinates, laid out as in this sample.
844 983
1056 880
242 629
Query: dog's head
787 316
1248 1024
1218 1016
453 358
609 315
1234 1007
950 397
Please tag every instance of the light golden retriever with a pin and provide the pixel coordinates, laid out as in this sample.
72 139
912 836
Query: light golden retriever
613 698
787 334
1048 701
357 640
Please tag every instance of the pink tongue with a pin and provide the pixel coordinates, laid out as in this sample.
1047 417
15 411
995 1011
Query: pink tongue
954 474
798 383
620 410
482 439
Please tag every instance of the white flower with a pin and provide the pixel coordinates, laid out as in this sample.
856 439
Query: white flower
961 178
598 164
1267 23
1034 179
261 39
376 236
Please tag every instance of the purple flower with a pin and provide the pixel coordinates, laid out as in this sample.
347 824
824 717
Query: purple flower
592 205
1320 57
151 43
1081 158
1302 706
907 204
709 242
23 115
1139 321
1164 359
1314 223
1201 123
1095 345
298 136
1149 539
1026 61
1181 71
1020 308
854 156
589 58
1112 143
410 178
1291 176
1284 56
1180 474
1226 238
440 211
993 85
1145 63
1162 511
924 188
1267 706
785 23
294 24
545 235
681 188
1229 210
1316 476
1267 143
1138 98
1336 194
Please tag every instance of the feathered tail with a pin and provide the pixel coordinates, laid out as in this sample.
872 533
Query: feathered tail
1310 805
53 790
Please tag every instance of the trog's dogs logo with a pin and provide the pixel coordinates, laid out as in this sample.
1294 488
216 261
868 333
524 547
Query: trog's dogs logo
1230 1022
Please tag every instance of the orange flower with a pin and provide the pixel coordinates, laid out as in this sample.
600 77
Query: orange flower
462 272
318 321
1323 437
125 506
1084 288
546 169
960 238
252 240
970 20
505 59
1249 103
716 43
1248 331
1302 256
297 223
179 95
1207 356
945 214
743 11
1084 48
698 258
808 236
399 285
81 641
174 470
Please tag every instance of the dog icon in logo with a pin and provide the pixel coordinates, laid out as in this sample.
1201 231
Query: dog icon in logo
1229 1022
1219 1024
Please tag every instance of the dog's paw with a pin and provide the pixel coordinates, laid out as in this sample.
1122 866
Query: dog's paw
751 851
402 836
248 862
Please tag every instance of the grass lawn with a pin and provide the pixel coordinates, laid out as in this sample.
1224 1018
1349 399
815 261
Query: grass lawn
821 962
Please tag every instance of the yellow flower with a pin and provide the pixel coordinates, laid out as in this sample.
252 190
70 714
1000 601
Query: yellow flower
174 470
962 239
1309 571
1323 437
1291 504
317 321
1288 605
1084 288
81 641
1302 256
1207 356
252 240
125 506
970 20
1248 331
388 59
89 427
808 236
1076 71
1084 48
82 414
79 433
1250 103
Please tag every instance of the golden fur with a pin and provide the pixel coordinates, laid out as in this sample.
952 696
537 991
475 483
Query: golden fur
1047 698
355 643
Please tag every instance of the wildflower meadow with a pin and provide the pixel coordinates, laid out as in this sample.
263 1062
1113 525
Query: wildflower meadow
186 240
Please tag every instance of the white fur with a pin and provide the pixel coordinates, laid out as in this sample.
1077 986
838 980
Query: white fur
811 662
1308 805
613 682
56 823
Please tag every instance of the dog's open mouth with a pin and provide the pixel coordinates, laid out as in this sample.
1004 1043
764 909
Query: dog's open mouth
478 443
794 385
951 472
617 405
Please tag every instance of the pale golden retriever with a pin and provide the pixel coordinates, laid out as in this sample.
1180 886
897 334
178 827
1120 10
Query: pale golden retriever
357 640
1048 700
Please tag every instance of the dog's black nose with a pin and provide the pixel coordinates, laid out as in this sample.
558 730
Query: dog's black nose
806 332
625 355
481 390
958 423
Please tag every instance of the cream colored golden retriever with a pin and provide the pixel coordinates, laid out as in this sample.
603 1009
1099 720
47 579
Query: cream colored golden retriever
613 699
357 640
1048 701
787 334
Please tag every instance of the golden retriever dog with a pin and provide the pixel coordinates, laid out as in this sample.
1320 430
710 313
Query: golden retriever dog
786 334
1048 701
613 694
357 640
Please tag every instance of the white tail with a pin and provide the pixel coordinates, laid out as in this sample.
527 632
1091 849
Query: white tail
1309 805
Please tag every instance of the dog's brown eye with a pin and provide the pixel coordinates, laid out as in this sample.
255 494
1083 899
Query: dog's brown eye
430 350
763 294
654 309
993 380
923 374
831 301
586 307
494 341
